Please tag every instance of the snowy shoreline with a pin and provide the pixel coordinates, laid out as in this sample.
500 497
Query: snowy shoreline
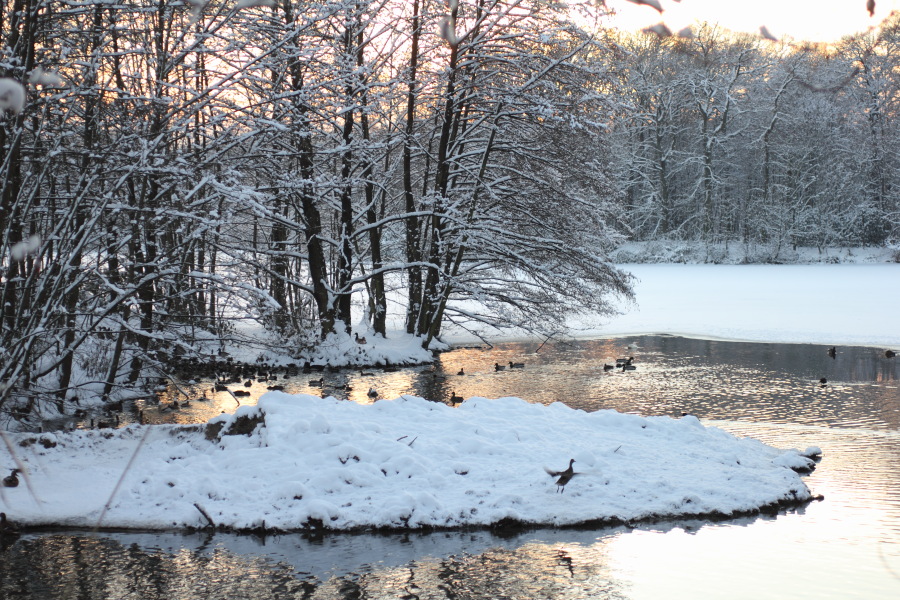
303 463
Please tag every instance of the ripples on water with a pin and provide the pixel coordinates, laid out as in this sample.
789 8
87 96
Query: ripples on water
846 546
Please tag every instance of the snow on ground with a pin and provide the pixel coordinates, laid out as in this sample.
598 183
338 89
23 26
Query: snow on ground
399 463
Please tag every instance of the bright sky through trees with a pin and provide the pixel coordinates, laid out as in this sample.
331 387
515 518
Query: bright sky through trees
812 20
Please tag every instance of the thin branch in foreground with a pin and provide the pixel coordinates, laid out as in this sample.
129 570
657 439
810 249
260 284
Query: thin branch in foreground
122 478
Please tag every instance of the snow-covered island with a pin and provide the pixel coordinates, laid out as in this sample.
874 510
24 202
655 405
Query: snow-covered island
298 462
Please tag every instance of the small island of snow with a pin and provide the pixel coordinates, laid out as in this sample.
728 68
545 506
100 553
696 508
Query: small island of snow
298 461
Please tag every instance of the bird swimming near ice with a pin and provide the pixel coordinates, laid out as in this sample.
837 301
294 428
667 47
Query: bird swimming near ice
564 476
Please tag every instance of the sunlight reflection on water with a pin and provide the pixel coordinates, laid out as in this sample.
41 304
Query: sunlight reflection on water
845 546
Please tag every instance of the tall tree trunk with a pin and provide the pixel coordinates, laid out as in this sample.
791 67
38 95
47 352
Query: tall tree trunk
412 224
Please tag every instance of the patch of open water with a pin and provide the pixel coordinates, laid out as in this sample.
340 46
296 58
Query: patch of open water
847 546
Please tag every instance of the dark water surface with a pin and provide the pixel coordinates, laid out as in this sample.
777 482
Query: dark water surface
846 546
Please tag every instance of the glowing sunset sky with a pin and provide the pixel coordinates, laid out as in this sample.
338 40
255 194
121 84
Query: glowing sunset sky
813 20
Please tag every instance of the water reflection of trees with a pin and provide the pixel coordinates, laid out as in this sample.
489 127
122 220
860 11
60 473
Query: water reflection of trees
474 564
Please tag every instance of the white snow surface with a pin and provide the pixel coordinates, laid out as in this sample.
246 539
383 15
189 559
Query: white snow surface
399 463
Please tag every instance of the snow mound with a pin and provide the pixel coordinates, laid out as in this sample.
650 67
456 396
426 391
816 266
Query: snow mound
297 461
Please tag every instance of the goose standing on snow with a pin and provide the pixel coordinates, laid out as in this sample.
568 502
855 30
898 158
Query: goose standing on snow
564 476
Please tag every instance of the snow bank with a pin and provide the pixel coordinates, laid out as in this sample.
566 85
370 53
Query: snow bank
300 461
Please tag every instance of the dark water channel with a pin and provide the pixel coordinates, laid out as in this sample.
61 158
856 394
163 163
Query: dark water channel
846 546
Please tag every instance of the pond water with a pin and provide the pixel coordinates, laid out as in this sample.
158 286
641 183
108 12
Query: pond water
845 546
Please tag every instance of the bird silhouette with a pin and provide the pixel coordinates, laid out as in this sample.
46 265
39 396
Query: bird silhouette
564 476
6 527
499 367
11 480
517 365
832 352
889 354
372 393
462 372
454 399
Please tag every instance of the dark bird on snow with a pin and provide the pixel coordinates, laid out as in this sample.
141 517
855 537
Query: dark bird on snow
832 352
359 340
564 476
12 480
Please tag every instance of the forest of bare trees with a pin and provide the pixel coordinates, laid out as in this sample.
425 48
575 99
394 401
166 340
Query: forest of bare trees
178 168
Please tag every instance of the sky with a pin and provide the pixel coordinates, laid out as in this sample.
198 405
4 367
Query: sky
812 20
